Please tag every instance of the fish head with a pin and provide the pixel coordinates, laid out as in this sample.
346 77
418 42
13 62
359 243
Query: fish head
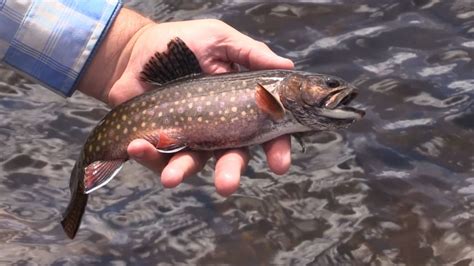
320 102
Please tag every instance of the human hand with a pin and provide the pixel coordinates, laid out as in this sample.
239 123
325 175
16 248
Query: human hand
218 47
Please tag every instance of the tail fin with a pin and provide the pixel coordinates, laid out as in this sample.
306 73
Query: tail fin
77 205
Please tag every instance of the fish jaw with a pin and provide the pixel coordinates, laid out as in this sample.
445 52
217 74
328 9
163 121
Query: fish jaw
319 101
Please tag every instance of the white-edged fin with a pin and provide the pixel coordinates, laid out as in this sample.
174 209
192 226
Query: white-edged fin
340 114
173 150
99 173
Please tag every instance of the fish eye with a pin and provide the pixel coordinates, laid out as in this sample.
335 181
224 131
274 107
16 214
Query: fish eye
332 83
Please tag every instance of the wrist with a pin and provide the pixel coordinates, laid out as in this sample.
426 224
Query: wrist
111 58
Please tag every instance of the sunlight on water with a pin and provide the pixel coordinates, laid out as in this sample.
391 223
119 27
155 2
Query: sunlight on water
396 188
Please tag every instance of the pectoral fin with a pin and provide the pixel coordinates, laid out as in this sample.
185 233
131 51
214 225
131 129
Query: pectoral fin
99 173
269 103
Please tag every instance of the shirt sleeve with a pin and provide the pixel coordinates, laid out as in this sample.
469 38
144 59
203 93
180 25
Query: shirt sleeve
52 42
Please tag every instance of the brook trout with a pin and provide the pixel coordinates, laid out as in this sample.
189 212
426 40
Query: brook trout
190 110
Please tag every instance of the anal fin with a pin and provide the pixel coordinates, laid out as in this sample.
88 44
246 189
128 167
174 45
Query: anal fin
99 173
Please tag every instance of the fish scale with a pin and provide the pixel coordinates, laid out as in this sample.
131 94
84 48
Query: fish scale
190 110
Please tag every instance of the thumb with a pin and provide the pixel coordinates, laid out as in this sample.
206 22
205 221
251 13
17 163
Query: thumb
255 55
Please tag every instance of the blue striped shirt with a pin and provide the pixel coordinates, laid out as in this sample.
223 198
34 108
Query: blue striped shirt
53 41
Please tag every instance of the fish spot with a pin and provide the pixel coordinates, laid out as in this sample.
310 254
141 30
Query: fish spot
181 118
144 112
199 108
190 119
134 129
153 98
176 123
200 89
153 124
103 143
160 114
190 105
99 136
176 103
133 105
220 112
243 113
244 83
171 110
207 121
183 101
208 103
226 111
188 95
222 118
114 114
234 109
143 103
90 148
125 130
97 148
199 119
124 117
232 98
143 124
211 113
117 138
129 122
252 111
118 126
248 106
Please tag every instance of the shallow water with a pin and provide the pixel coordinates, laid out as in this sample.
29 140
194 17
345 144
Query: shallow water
397 187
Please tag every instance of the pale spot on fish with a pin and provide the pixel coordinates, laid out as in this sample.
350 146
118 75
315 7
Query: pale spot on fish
234 109
220 112
171 110
222 118
248 106
176 103
200 89
176 123
143 124
243 113
190 105
211 113
190 119
183 101
153 98
226 111
208 103
133 105
252 111
143 103
188 95
134 129
117 138
199 119
118 126
232 98
125 130
160 114
244 83
129 122
99 136
153 124
97 148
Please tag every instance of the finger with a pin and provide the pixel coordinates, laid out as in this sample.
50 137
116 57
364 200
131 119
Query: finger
229 166
146 154
254 55
182 165
278 153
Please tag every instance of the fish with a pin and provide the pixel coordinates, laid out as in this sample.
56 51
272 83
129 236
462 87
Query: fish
187 109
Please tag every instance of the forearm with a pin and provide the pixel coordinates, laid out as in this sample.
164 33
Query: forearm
52 41
110 59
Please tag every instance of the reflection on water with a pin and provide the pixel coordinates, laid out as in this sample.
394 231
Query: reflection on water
395 188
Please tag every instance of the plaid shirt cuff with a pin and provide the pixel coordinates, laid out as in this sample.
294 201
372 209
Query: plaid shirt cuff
53 41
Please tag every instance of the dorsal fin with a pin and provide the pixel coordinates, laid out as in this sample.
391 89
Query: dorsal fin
269 103
176 62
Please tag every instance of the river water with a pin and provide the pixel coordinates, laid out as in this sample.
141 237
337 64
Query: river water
396 188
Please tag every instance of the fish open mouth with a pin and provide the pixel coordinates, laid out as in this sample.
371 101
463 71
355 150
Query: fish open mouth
335 105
